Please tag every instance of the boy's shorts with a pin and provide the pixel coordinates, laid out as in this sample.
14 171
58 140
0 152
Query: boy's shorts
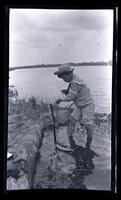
84 115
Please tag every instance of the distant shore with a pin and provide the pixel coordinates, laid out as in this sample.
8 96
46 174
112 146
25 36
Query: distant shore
57 65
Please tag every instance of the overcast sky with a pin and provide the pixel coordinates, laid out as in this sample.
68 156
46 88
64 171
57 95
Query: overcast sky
58 36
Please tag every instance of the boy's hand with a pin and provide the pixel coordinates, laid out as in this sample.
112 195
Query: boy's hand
64 91
58 101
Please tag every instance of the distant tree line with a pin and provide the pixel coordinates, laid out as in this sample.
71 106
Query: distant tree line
91 63
57 65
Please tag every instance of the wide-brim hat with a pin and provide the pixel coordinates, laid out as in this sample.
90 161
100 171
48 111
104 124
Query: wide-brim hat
63 69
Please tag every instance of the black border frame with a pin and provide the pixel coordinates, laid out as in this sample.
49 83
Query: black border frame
5 50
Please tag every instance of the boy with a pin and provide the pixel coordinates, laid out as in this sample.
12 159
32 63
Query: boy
79 93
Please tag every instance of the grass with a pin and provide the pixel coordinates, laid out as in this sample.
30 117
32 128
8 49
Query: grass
32 107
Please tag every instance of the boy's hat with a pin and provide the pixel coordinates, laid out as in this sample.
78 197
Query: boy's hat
63 69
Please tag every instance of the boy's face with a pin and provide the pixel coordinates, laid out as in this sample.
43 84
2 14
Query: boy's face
66 77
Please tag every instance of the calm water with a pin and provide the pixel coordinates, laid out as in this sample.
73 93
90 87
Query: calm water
42 83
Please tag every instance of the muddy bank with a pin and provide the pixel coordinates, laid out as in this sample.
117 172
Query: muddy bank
82 169
24 145
37 165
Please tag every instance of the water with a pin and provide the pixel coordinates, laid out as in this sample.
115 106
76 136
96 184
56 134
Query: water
42 83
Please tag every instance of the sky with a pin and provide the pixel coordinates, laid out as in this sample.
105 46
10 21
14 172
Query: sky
46 36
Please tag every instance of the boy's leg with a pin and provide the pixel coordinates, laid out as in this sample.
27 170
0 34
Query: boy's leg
75 115
70 130
89 130
87 120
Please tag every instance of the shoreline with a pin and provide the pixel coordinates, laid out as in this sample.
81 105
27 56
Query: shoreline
57 65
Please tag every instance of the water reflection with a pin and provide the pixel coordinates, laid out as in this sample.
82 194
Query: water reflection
84 157
77 178
84 166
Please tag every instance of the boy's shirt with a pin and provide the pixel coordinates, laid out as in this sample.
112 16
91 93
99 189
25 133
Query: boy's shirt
78 92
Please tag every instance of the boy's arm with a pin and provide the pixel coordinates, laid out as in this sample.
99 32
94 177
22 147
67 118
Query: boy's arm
73 91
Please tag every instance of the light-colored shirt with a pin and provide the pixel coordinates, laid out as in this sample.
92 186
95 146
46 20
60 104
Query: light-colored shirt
78 92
